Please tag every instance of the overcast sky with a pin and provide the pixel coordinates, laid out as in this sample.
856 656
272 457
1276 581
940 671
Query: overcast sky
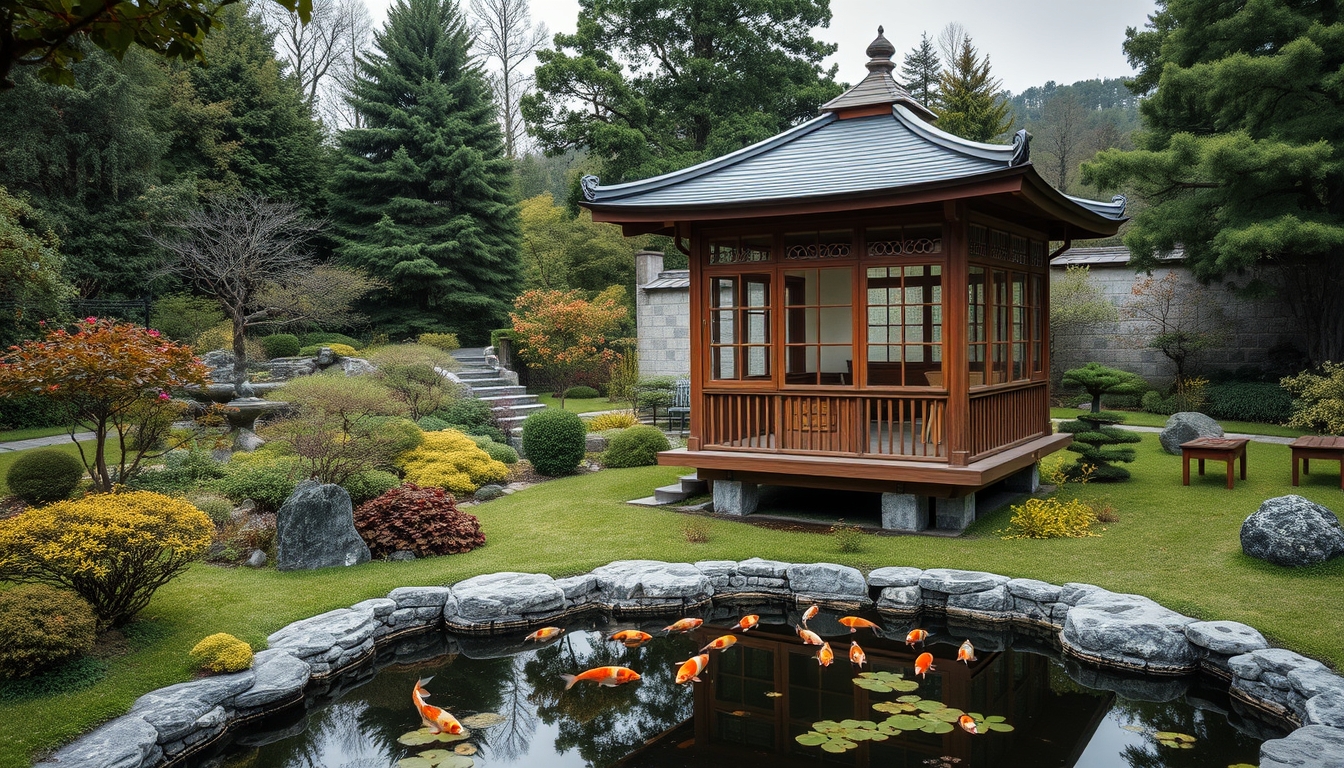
1028 41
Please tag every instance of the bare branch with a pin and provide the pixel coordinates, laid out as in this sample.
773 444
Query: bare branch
506 38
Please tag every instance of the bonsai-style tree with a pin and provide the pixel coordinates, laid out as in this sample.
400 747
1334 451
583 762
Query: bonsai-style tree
1098 443
114 377
564 334
1100 380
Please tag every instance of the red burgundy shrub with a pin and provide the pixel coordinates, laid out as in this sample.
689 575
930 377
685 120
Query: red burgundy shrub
425 521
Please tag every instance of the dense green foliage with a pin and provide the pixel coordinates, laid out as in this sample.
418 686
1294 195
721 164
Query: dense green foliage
43 476
41 626
31 284
1261 401
432 423
635 447
319 339
562 251
1099 445
1097 380
184 317
32 411
1071 123
363 486
421 197
1241 162
181 471
554 441
469 413
262 476
652 87
424 521
969 103
1318 402
581 393
500 452
281 345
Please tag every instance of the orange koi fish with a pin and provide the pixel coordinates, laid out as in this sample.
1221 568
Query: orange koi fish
855 624
967 724
631 637
923 663
825 655
746 623
809 614
857 656
966 653
722 643
544 634
609 677
685 625
691 669
435 719
809 637
916 636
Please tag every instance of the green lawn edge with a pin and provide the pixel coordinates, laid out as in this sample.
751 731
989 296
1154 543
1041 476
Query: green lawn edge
28 433
1177 545
1145 419
584 405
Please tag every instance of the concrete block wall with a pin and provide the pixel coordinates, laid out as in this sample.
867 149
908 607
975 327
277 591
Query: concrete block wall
663 318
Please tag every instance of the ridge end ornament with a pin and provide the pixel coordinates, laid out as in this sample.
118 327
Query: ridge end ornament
1021 149
1122 201
589 186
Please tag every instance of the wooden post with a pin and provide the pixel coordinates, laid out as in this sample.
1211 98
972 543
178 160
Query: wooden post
956 371
699 330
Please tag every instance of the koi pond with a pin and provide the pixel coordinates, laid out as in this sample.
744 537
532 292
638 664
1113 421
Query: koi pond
763 700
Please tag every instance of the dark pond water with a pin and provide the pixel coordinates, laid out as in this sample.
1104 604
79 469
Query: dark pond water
756 697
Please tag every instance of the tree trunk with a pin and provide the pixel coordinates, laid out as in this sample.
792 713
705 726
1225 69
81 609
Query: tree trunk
101 481
239 349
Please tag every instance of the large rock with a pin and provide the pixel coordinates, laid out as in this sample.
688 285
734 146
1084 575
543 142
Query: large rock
507 596
827 580
285 368
220 363
316 529
173 711
894 576
1312 746
278 677
126 742
955 582
651 580
1326 709
1292 531
1226 637
356 366
328 634
1130 632
1186 426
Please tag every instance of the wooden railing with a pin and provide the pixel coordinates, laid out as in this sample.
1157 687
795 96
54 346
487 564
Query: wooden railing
876 426
1006 417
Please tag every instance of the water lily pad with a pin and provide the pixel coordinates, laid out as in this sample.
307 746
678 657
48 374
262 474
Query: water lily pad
893 707
812 739
483 720
1173 736
465 749
435 756
946 714
936 726
885 682
414 762
449 738
417 738
457 761
838 745
1134 728
904 722
909 698
928 705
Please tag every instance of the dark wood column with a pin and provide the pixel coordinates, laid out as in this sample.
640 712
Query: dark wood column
698 330
955 367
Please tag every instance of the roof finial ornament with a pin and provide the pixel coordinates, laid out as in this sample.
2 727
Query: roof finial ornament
1021 149
879 53
589 186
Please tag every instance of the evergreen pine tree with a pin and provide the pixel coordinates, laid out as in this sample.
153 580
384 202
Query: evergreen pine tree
920 70
421 196
969 103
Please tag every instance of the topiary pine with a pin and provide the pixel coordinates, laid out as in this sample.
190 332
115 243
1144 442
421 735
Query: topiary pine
1100 380
1098 443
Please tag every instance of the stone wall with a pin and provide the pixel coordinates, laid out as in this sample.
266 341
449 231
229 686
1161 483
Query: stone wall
1105 636
1254 327
662 316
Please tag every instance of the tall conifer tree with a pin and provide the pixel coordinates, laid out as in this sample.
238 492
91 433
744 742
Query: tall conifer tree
969 102
421 197
920 70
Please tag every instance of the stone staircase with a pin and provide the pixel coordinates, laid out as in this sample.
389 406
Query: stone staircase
685 487
510 402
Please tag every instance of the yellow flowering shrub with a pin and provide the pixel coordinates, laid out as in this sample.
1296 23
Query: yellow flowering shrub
1051 519
613 420
450 460
222 652
112 549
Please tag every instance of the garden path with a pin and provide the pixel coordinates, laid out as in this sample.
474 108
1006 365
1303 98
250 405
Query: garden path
42 442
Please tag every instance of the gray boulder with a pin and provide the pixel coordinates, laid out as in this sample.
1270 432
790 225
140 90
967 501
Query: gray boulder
247 441
827 580
127 742
315 528
1226 637
173 711
278 676
1312 746
285 368
901 599
894 576
1130 632
594 443
257 559
503 596
1292 531
356 366
488 492
955 582
651 580
1326 709
1186 426
220 363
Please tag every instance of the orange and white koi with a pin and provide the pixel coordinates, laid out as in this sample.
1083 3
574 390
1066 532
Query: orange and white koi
544 634
746 623
719 644
855 624
923 663
967 724
916 636
966 653
857 656
825 655
631 637
809 614
691 668
809 637
609 677
685 625
435 719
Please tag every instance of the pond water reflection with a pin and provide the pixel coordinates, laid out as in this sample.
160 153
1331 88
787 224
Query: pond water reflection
757 697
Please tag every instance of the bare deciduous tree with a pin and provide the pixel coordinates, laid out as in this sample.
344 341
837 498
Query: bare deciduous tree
1061 135
1176 318
322 53
506 38
252 255
949 41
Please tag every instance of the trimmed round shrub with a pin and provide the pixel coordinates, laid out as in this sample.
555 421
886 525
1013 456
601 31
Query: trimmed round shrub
222 652
449 459
581 393
614 420
364 486
260 476
1258 401
340 350
467 412
635 447
425 521
501 453
41 626
44 475
445 341
217 508
115 549
432 424
322 339
281 345
554 441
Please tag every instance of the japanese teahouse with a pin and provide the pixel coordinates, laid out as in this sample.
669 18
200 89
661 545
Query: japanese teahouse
869 302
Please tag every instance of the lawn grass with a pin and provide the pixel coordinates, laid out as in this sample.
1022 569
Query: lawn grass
9 435
7 458
585 405
1175 544
1145 419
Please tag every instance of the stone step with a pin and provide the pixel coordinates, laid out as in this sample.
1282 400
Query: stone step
486 383
482 373
522 410
512 400
510 389
670 494
473 362
692 485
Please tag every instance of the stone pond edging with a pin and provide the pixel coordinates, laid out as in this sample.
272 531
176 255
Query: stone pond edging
1118 632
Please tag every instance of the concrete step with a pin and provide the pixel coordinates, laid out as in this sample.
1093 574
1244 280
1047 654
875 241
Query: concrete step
670 494
473 362
692 485
510 389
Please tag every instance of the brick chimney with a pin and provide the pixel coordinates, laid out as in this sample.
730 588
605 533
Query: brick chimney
647 266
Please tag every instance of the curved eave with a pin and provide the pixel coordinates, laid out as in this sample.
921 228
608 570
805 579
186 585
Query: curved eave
1087 219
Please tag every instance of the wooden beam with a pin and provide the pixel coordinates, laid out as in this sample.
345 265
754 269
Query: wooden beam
956 371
